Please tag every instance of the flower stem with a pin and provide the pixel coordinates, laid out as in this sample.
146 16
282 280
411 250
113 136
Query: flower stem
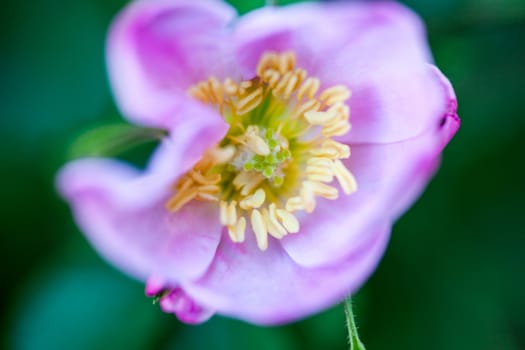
353 337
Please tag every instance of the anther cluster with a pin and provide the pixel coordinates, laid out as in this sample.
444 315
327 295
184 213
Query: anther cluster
279 153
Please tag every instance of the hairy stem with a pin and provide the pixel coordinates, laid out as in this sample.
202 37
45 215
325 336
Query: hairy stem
353 337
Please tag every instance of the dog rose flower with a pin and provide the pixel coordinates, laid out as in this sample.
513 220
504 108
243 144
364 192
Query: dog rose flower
295 138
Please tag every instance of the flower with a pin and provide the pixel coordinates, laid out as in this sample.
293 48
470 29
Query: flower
253 206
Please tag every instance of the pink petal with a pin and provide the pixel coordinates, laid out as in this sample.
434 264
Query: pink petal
378 50
186 309
158 48
390 177
122 211
269 288
143 241
196 129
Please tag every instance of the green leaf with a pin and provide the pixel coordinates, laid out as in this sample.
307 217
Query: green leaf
111 140
353 336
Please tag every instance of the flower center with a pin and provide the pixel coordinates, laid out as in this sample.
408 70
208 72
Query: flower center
278 154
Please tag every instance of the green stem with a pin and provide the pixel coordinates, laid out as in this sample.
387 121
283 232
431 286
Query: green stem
353 337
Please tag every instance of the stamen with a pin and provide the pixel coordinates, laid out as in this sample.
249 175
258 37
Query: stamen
289 220
256 143
236 232
208 180
278 156
345 178
286 62
253 201
223 213
287 85
274 227
271 77
308 198
215 90
222 155
259 228
268 60
334 94
337 129
240 228
230 88
342 151
272 230
308 89
249 102
294 204
316 173
321 189
232 213
320 118
308 106
181 198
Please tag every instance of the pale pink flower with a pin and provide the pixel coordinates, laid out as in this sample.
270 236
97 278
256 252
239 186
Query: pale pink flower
196 258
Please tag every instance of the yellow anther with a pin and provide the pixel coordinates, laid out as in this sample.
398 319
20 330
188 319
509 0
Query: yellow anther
325 152
222 155
345 177
198 93
183 184
289 220
308 198
320 161
181 198
253 201
245 84
286 62
342 150
215 90
320 118
230 87
242 179
343 110
257 144
271 77
321 189
308 89
209 188
253 183
268 60
323 174
207 197
339 128
231 213
274 227
287 85
311 105
211 179
249 102
223 213
240 228
294 204
259 228
247 181
236 232
334 94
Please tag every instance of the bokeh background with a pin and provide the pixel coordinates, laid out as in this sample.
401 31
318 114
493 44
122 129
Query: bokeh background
454 273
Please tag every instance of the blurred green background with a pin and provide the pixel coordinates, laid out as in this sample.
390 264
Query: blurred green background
454 273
